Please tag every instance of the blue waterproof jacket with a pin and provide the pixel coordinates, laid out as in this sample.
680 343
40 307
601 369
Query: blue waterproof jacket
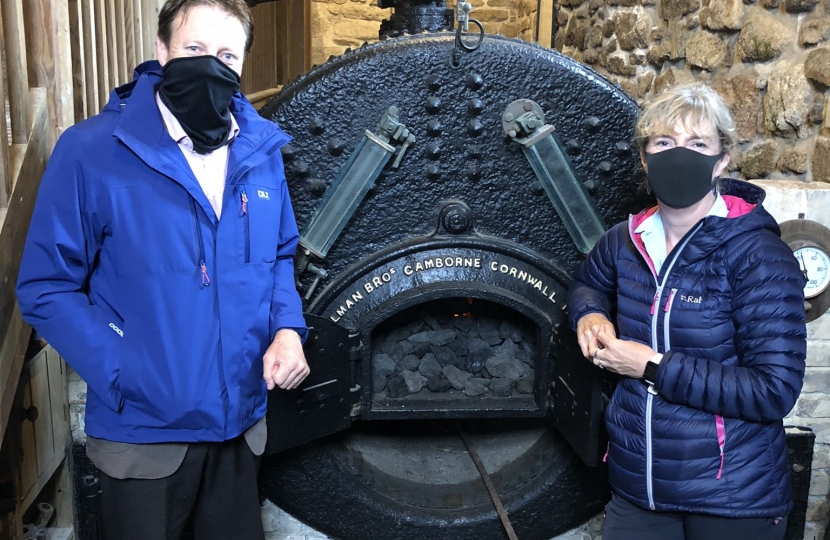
727 311
164 310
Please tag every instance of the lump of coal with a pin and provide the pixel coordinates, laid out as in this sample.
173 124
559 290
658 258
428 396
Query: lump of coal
410 362
429 366
501 387
507 367
525 384
474 388
439 384
457 378
511 331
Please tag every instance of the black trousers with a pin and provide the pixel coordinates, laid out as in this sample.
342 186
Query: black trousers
215 488
626 521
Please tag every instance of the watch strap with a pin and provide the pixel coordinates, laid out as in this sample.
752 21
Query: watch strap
650 373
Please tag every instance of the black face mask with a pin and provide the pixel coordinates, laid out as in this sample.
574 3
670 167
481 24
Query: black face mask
198 91
680 177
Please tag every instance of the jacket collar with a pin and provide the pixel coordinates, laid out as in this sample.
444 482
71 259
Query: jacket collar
141 128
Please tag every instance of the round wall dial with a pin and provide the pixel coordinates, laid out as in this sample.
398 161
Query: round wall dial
810 242
815 263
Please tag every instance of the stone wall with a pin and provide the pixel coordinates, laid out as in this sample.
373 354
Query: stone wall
337 25
770 59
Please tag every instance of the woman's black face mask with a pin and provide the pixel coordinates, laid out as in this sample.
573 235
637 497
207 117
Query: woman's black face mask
198 91
680 177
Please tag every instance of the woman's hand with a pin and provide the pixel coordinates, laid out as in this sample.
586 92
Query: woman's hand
587 330
627 358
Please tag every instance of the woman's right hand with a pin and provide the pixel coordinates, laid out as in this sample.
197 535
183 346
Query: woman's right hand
587 330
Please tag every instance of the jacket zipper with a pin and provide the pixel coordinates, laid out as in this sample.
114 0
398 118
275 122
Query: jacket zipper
655 315
202 267
246 219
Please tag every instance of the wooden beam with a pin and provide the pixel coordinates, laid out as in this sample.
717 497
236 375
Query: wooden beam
17 72
62 86
79 83
299 38
5 168
129 38
112 45
101 51
149 27
14 333
90 75
120 43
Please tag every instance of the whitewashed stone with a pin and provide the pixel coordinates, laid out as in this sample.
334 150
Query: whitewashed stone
789 100
819 485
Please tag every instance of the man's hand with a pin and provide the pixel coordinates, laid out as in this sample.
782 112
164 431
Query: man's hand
588 329
284 363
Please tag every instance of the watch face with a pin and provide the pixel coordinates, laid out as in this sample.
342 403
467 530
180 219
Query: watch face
815 263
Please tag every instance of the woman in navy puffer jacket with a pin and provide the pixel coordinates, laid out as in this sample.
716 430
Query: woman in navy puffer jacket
708 304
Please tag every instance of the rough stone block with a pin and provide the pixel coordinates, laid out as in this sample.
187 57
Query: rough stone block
799 6
759 160
793 160
821 160
723 15
819 485
739 90
763 37
788 102
814 30
706 50
818 353
632 29
817 66
674 9
813 405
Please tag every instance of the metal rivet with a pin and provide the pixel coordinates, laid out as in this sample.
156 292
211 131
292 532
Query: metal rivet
527 106
434 128
288 152
433 82
474 81
473 172
300 168
605 167
433 151
474 151
592 123
475 127
573 146
433 105
475 106
590 185
508 117
316 126
433 172
335 146
316 187
622 147
536 188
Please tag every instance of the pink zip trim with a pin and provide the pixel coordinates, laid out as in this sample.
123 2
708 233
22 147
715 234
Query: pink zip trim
607 449
721 429
205 277
653 304
244 203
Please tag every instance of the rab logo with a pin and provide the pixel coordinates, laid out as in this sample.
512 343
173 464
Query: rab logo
117 330
691 299
263 195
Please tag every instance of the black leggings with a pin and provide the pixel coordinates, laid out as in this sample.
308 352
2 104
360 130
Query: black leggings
626 521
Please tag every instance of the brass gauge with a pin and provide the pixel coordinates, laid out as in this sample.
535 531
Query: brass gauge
810 242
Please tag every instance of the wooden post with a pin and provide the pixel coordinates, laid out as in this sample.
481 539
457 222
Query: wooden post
62 87
101 59
120 43
5 169
112 45
298 44
79 82
149 27
17 72
90 75
129 38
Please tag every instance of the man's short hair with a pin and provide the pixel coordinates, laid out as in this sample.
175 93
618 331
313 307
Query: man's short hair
237 9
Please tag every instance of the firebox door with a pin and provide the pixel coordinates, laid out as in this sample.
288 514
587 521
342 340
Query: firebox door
324 402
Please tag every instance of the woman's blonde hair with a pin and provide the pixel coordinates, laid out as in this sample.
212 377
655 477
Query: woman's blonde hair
695 106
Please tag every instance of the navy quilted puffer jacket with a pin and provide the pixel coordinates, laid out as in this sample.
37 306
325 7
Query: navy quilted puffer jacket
727 311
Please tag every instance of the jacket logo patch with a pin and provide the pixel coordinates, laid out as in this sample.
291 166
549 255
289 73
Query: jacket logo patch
688 298
263 195
116 329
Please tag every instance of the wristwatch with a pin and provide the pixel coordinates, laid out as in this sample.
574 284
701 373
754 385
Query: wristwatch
650 373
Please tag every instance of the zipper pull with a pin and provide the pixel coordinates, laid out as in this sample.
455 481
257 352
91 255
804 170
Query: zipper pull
205 277
669 300
244 201
656 299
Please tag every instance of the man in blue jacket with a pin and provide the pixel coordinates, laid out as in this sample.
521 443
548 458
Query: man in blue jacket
159 263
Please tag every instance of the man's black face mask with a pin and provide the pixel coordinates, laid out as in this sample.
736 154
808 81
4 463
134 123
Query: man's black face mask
198 91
